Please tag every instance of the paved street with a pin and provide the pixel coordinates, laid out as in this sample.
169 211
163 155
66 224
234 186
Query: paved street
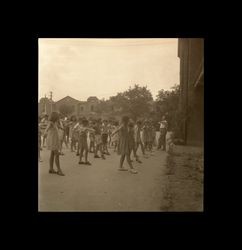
101 187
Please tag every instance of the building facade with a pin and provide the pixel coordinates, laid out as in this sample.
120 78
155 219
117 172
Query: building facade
191 54
93 107
67 101
88 108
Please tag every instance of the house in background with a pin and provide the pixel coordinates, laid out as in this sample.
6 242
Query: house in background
68 101
93 107
88 108
191 54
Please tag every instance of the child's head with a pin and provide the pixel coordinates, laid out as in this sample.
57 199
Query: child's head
125 120
105 122
73 118
54 117
139 123
85 122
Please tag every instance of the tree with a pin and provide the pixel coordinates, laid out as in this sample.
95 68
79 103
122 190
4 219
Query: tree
167 103
135 101
66 109
103 106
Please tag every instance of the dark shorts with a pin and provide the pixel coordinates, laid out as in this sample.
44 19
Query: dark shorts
104 138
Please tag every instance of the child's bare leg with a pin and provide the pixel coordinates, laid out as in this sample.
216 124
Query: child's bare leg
96 150
57 163
78 148
129 161
106 147
61 143
71 146
101 150
86 154
149 146
136 147
81 153
135 155
91 147
121 161
142 148
65 141
51 160
115 146
43 142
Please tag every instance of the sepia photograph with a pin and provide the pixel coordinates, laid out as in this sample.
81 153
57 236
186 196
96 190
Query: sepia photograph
120 125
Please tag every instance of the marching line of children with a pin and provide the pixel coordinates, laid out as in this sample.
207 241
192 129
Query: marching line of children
125 138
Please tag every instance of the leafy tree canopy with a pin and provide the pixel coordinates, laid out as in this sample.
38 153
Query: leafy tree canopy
135 101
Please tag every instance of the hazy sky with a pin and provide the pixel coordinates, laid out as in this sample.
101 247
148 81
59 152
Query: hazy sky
102 67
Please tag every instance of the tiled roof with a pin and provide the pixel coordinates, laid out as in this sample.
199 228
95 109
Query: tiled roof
68 98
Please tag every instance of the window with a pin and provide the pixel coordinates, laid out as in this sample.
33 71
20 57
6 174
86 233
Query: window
92 107
82 108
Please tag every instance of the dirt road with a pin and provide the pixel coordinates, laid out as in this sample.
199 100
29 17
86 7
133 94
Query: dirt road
101 187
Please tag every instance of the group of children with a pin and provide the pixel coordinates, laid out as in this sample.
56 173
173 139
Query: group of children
97 131
95 136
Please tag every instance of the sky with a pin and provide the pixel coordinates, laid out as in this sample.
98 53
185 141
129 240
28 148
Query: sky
103 67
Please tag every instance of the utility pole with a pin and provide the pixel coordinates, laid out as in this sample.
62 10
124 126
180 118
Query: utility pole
51 100
45 105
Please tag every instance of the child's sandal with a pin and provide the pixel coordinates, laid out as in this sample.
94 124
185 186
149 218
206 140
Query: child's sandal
60 173
123 169
52 172
133 171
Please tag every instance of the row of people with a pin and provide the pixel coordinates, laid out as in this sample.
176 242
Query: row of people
125 138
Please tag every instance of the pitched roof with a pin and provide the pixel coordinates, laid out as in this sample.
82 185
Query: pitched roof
68 97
